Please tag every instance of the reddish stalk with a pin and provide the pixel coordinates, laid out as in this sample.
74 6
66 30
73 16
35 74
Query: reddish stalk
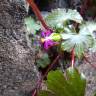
34 93
51 65
40 81
37 13
48 69
72 58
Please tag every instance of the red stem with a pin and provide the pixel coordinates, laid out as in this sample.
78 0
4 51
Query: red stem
72 58
34 93
51 65
40 81
49 68
37 13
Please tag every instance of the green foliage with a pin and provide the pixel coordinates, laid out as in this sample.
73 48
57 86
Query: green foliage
93 49
95 94
88 28
79 42
43 61
59 16
46 93
73 84
31 25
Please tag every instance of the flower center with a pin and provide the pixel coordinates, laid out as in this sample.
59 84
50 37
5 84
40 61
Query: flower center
45 39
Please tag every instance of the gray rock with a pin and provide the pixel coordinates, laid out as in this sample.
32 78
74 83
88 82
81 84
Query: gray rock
59 4
18 74
89 70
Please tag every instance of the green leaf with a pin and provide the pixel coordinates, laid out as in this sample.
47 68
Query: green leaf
77 80
43 61
31 25
95 94
67 30
65 36
45 93
59 16
88 28
73 84
79 42
93 49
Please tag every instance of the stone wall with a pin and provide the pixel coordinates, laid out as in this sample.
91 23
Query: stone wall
18 74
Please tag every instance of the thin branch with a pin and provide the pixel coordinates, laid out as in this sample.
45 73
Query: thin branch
37 13
51 65
72 58
34 93
40 81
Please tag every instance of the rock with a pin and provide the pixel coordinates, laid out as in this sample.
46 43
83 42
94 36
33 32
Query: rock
18 74
59 4
90 73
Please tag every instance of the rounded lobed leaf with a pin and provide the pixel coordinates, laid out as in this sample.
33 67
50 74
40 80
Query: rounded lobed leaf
79 42
58 16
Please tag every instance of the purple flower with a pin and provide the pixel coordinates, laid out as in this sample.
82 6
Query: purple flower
49 43
46 40
45 34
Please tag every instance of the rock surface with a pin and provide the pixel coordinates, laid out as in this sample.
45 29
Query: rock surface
18 75
89 70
